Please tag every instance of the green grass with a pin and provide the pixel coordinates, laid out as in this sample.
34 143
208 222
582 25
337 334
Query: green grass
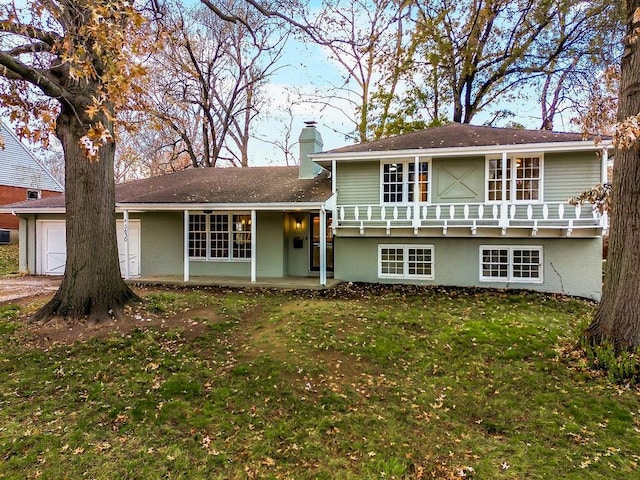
392 385
8 259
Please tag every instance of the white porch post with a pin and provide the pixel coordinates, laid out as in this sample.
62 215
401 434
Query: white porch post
127 273
323 247
253 246
185 276
504 221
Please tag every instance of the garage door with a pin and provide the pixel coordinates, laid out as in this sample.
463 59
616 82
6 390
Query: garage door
52 254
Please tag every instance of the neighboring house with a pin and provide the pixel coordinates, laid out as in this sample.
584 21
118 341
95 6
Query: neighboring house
22 177
455 205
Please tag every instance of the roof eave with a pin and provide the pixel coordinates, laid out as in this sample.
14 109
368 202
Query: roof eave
325 158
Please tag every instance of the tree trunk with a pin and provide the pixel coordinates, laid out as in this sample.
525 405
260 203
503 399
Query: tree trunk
92 288
618 317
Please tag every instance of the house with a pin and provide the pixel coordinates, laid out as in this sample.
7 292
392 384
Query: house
454 205
22 177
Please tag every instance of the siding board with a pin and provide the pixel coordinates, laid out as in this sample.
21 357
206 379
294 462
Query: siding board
568 174
358 183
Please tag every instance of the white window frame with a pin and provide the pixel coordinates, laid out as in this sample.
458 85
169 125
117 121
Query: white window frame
405 275
231 231
510 278
406 186
511 187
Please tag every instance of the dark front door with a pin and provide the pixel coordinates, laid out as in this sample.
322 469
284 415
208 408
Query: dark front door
315 243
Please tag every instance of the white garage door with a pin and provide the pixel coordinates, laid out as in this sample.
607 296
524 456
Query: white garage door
52 254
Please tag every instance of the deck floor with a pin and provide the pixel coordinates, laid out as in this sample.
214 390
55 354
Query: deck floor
285 283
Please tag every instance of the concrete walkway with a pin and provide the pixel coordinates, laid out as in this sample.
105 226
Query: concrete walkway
15 288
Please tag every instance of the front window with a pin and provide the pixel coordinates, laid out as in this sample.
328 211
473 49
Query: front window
405 261
525 185
220 236
511 264
400 184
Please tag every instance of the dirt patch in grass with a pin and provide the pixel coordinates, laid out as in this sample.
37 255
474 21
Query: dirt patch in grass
191 322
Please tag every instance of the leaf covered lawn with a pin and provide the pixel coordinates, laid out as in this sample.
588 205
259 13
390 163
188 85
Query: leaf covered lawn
359 383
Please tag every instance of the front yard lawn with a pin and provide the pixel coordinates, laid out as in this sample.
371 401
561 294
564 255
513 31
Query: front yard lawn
359 383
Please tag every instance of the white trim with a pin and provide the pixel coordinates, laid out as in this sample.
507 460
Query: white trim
334 171
510 277
322 219
406 186
405 268
253 247
510 160
185 253
604 174
125 232
231 230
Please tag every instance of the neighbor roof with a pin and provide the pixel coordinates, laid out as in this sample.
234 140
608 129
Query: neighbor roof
460 135
220 186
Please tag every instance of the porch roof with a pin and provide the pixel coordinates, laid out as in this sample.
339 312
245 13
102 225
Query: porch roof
254 187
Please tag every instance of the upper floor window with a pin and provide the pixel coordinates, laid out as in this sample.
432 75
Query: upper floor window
220 236
523 178
33 194
401 183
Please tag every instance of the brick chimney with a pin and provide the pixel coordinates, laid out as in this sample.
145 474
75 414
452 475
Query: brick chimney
310 142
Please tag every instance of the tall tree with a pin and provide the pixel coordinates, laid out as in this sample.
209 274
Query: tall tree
486 50
366 39
208 81
70 64
618 317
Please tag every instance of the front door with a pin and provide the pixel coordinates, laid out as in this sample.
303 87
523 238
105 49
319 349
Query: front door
315 243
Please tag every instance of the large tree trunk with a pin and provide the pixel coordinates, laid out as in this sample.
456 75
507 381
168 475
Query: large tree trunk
618 317
92 288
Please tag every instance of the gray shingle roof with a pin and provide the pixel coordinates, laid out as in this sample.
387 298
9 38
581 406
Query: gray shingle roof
460 135
221 186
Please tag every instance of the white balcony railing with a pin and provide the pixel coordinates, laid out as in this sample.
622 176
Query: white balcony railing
533 216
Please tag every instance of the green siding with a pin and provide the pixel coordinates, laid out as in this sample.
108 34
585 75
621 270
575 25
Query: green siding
161 243
358 183
568 174
457 180
162 248
270 247
571 266
297 258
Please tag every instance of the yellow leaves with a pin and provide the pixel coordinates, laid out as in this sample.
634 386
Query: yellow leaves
627 133
97 136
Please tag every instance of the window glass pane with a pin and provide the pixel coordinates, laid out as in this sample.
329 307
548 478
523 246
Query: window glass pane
392 182
391 261
495 263
527 185
219 226
241 236
496 178
423 181
526 264
419 262
198 236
